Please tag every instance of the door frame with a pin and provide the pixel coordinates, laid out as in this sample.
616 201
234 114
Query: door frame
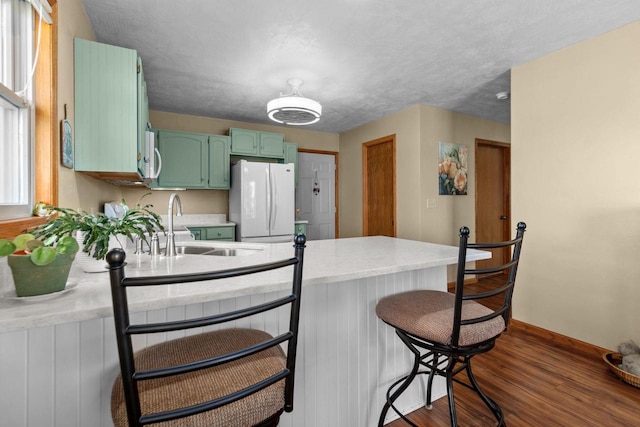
365 180
506 185
335 155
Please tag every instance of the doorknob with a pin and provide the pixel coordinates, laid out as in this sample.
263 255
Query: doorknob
503 217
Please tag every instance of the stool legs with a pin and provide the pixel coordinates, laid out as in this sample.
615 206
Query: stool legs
451 366
491 404
406 382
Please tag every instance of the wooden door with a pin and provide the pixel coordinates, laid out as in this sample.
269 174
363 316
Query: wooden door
379 187
493 197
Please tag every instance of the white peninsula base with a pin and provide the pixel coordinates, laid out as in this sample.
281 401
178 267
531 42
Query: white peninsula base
60 374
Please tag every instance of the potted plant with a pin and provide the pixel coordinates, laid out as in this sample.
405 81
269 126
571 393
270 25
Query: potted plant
39 266
97 233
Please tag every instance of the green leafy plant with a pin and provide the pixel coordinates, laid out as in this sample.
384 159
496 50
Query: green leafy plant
98 228
41 252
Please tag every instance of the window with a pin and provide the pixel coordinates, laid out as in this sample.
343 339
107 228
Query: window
28 130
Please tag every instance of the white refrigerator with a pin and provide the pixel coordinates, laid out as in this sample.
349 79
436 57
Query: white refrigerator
261 201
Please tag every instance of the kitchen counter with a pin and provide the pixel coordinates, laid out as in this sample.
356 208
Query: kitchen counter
326 261
347 357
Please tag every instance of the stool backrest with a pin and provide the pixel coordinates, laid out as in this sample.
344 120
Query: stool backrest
505 279
124 330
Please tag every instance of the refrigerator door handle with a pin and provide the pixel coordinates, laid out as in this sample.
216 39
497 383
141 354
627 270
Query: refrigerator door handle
269 201
274 207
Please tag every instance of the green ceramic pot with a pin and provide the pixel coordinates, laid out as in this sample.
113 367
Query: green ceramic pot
31 279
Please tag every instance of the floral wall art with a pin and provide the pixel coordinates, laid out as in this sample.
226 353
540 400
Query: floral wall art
452 168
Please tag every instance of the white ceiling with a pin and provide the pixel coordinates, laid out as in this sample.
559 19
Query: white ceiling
361 59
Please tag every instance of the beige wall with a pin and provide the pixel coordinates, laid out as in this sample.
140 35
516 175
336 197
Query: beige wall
575 145
418 130
405 126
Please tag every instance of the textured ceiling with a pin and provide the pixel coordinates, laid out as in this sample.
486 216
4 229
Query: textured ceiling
361 59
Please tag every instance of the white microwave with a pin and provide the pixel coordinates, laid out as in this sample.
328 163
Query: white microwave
151 161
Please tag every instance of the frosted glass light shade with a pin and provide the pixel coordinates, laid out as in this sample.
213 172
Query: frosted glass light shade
294 110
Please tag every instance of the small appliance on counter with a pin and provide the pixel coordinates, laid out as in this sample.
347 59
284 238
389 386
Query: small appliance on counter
261 201
115 209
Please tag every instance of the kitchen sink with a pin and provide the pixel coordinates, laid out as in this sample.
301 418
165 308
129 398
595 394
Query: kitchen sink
192 250
210 250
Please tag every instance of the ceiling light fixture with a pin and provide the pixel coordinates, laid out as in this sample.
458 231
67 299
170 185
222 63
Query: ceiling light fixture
294 109
502 95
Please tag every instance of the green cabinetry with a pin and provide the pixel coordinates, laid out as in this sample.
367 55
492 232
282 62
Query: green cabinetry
300 228
221 232
193 160
257 144
291 156
219 162
111 110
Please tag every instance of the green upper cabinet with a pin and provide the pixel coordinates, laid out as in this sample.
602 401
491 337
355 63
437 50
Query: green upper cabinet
291 156
111 110
193 160
256 144
143 115
244 141
271 145
219 162
185 159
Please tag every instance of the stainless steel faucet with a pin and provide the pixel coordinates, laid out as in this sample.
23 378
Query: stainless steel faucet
171 242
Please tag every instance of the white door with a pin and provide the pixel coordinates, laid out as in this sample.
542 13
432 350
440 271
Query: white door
315 195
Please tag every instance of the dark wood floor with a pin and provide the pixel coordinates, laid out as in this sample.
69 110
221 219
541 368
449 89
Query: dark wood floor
540 379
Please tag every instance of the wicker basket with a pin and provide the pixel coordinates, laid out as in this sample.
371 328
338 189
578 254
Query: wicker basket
613 360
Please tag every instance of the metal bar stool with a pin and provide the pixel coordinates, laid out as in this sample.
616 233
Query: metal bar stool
444 331
227 377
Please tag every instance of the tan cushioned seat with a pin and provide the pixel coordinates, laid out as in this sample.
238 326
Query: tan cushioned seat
429 315
193 388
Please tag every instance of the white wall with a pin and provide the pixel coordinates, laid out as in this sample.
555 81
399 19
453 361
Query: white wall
575 144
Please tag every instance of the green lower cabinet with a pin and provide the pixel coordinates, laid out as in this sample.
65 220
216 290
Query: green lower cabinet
301 228
195 232
223 232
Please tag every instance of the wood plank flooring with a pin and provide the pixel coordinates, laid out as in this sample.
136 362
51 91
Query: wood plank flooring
539 379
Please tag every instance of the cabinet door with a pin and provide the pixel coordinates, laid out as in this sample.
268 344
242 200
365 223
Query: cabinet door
244 142
301 229
197 232
221 233
271 145
106 108
143 116
185 159
291 156
219 162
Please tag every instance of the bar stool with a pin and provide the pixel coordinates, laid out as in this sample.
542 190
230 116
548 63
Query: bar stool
444 331
228 377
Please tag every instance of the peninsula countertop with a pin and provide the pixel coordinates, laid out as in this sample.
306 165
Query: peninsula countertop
325 261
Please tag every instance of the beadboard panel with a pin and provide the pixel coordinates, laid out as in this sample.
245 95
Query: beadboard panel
61 376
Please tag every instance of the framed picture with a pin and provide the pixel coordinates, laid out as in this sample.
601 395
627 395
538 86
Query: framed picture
452 169
66 143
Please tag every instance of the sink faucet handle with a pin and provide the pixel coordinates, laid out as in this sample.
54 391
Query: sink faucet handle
138 242
154 248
